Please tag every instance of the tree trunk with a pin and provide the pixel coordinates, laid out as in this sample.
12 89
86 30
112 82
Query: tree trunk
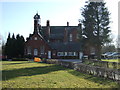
98 37
98 52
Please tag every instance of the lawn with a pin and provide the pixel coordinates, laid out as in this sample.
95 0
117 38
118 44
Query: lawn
111 60
28 74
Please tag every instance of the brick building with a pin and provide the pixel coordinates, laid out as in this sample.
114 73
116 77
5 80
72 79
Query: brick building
53 41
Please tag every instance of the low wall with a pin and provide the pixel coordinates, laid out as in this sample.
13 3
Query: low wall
114 65
113 74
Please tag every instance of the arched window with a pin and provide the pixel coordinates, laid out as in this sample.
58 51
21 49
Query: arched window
35 38
28 50
35 52
42 49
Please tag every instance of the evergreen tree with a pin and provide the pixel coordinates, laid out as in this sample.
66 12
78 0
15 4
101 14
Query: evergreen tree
3 48
96 25
20 43
8 46
14 47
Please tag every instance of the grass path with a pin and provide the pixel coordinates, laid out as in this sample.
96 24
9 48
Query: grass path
24 74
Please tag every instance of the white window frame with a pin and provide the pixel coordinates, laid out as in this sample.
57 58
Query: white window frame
75 54
70 54
49 54
35 52
71 37
60 54
35 38
65 53
29 50
92 50
42 49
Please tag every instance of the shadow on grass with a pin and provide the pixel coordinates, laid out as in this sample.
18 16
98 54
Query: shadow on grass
92 78
10 74
14 63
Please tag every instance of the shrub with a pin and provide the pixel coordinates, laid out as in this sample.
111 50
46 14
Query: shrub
19 59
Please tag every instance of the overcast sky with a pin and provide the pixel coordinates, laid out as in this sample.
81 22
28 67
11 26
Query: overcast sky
17 17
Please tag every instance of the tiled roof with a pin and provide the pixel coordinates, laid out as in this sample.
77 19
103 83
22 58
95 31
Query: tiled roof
66 47
57 32
60 29
57 29
56 36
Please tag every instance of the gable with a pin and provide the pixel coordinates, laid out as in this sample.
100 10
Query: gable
36 41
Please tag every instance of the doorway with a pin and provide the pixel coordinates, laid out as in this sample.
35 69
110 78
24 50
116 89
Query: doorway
35 52
49 54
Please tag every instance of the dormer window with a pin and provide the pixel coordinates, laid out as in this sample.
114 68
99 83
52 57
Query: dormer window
35 38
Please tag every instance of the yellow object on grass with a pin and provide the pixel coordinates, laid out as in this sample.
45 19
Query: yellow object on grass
37 59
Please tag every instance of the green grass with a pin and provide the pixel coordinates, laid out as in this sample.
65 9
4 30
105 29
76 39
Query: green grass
111 60
24 74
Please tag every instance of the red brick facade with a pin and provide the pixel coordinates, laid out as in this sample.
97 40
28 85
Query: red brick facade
36 42
54 41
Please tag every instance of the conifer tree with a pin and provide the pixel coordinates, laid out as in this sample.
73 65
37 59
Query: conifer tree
8 46
14 47
96 25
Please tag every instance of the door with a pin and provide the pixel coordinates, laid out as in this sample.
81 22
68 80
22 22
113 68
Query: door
49 54
80 55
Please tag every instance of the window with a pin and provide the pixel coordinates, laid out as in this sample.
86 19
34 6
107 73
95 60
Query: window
70 37
42 49
29 50
75 54
65 54
35 38
35 52
70 53
60 54
92 50
77 36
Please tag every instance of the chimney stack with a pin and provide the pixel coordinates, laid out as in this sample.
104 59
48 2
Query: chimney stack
80 25
48 23
67 23
48 29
